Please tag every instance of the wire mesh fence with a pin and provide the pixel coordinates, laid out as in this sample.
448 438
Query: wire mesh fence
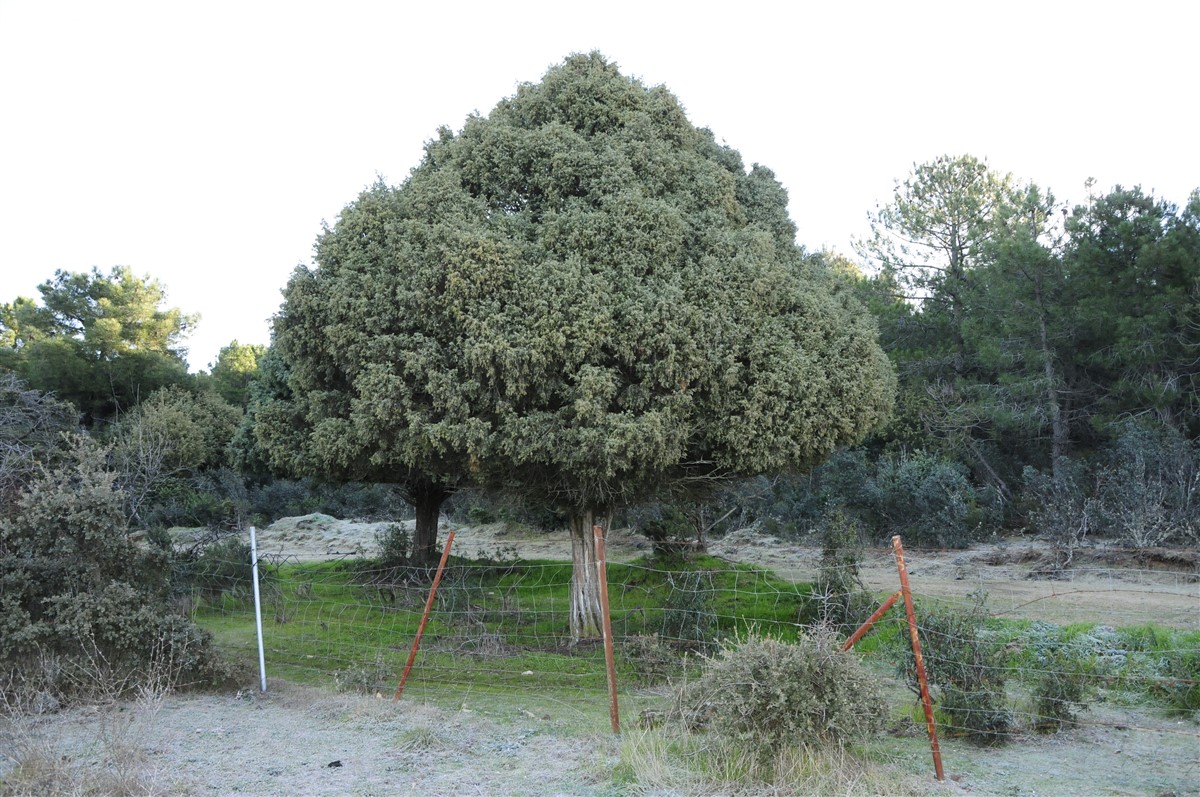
492 623
1011 651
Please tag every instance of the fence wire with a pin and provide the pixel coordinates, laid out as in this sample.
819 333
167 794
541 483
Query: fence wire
1011 653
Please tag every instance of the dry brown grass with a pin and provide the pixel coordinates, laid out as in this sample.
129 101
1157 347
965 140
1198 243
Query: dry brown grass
121 705
678 762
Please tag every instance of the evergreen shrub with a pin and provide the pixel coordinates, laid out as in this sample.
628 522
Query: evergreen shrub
76 589
966 667
772 694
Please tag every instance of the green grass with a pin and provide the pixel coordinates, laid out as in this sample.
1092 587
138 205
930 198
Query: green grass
491 622
496 623
497 645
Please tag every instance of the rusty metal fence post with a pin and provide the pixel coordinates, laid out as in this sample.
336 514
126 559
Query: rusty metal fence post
609 659
920 660
424 617
906 593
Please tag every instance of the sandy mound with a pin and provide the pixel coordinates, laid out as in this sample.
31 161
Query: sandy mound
318 537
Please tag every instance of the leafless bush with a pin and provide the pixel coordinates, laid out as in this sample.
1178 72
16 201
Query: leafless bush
123 702
30 425
1143 492
1065 510
1150 488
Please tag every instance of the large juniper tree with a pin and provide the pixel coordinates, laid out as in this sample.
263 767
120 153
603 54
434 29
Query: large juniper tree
579 297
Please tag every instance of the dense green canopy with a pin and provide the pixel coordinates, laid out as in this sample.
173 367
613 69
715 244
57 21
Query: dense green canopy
102 342
580 297
1053 350
235 369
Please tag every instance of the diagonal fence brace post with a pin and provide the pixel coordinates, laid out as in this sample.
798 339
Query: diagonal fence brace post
874 618
424 617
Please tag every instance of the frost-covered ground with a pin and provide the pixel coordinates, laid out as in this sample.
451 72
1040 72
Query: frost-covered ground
302 741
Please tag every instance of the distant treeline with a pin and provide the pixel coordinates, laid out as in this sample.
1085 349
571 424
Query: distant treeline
1048 361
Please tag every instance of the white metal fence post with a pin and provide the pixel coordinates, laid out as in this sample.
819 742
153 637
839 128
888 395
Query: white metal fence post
262 661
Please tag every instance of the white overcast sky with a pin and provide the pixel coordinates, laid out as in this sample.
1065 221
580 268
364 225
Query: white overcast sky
204 142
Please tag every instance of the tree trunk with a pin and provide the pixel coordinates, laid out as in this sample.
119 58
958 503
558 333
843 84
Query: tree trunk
427 498
1058 425
587 619
1059 433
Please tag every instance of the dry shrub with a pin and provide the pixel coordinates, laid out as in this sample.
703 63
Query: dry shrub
839 599
773 695
74 586
966 666
689 617
39 763
366 678
649 659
